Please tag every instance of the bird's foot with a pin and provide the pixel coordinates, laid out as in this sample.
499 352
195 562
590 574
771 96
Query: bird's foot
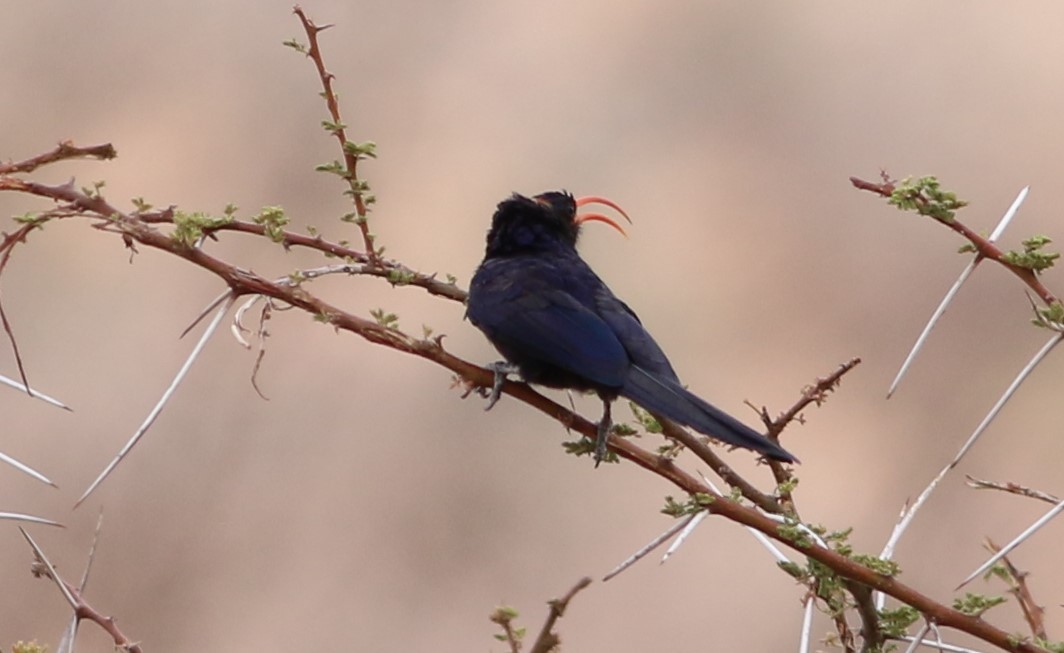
502 369
602 437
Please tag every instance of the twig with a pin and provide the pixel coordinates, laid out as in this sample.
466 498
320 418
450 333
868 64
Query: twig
816 393
65 150
6 247
338 129
983 246
706 454
359 263
1033 613
81 608
504 617
547 639
871 634
14 348
1011 488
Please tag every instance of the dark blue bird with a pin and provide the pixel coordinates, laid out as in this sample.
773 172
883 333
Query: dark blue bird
558 325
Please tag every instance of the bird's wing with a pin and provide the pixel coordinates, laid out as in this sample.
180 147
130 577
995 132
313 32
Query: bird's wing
547 324
642 349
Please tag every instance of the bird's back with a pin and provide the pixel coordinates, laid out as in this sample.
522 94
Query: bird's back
540 312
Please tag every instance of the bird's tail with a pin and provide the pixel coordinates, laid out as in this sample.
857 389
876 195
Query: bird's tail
666 397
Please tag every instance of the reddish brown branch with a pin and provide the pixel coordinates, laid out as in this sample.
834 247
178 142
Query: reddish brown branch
547 640
816 393
6 247
1033 613
244 283
338 130
42 568
65 150
86 611
982 245
14 349
697 445
382 268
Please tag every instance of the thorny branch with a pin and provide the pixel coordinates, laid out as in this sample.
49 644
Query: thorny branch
547 640
393 271
7 245
351 152
43 568
1033 613
243 282
817 393
141 229
63 151
983 246
698 446
1012 488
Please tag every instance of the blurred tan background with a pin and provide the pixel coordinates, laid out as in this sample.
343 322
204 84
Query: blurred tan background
364 506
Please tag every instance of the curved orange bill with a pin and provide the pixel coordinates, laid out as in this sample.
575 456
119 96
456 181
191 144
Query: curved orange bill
598 217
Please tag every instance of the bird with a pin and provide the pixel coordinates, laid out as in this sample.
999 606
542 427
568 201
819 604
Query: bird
557 324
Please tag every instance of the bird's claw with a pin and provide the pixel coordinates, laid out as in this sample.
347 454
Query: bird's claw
501 369
602 436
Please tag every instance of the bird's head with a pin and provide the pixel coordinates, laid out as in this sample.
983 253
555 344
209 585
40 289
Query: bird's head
543 222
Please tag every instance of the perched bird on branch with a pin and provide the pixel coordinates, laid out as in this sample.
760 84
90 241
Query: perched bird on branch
558 325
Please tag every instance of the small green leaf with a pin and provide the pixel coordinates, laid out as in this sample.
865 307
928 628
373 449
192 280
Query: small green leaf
365 150
926 197
586 447
976 604
793 569
1050 317
399 277
141 205
1032 257
696 503
333 127
273 221
94 190
895 623
189 228
35 219
333 167
295 45
385 319
645 419
877 564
